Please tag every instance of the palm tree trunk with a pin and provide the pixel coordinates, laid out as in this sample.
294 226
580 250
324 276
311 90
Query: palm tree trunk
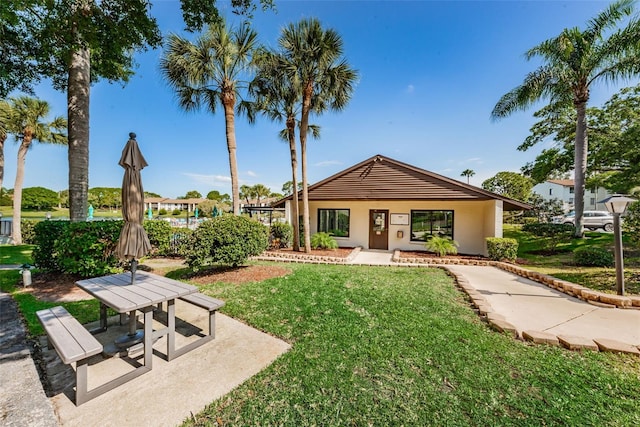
228 101
295 208
304 126
581 150
2 140
17 191
78 132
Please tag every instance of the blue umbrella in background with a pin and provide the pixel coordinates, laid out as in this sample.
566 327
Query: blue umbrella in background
150 213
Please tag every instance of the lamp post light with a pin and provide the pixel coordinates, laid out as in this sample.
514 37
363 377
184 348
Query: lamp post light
617 205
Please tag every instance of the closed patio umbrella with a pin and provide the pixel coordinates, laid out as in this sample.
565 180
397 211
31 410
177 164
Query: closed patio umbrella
133 243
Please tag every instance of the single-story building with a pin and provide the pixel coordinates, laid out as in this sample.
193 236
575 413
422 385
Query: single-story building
385 204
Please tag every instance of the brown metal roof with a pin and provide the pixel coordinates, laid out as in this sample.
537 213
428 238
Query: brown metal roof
383 178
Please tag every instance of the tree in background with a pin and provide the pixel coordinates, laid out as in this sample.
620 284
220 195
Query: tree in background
247 193
149 194
27 126
571 63
39 198
313 58
222 198
260 191
5 116
468 173
207 73
105 197
510 184
193 194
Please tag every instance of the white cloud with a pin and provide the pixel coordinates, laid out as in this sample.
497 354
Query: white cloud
410 89
328 163
212 180
252 174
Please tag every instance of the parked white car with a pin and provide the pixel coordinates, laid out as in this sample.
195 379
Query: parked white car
591 220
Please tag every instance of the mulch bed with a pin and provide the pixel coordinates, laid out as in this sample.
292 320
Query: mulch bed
238 275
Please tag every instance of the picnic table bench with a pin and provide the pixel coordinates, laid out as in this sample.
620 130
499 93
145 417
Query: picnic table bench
72 342
211 305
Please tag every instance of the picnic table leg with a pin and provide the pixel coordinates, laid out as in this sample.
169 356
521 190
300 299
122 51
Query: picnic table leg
171 325
148 336
103 320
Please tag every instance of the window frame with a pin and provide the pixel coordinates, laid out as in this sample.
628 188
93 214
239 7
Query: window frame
413 211
348 233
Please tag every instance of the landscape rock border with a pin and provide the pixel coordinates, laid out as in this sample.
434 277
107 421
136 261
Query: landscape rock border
600 299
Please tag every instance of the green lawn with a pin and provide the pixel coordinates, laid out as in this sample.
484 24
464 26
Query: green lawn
396 346
401 346
561 264
21 254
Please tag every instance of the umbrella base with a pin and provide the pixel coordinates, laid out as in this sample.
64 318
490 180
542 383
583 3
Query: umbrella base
128 340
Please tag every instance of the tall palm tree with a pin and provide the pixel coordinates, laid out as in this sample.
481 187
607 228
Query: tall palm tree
468 173
27 125
325 80
5 116
277 97
571 63
207 73
260 191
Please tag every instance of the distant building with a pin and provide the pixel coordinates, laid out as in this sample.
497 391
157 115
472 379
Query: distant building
563 190
158 203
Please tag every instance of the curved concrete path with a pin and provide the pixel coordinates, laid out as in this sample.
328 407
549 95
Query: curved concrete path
531 306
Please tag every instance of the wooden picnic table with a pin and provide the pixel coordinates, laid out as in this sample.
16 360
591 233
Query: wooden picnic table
147 290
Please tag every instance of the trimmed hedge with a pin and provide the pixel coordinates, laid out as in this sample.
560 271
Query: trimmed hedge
593 257
226 240
46 233
500 248
553 234
159 233
27 229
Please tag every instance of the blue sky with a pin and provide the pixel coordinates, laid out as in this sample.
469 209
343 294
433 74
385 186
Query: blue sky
430 74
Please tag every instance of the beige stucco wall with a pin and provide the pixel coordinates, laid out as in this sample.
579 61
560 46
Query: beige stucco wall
473 221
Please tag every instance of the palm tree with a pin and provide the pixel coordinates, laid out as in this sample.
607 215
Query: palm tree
207 73
325 81
468 173
278 98
5 117
246 193
26 124
260 191
573 62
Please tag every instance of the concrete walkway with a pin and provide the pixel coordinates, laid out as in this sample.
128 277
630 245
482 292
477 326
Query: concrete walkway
531 306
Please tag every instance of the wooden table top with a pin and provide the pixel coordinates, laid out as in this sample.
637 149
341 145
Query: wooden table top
117 292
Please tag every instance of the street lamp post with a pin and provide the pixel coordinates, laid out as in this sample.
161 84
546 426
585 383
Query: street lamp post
617 205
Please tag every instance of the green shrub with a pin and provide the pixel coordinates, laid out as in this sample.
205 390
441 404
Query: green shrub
162 211
46 233
281 235
552 234
631 223
590 256
227 240
502 248
176 212
323 240
88 248
441 245
159 232
27 228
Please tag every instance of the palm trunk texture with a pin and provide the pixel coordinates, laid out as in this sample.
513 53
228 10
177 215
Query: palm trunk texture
229 103
304 126
17 190
295 208
581 150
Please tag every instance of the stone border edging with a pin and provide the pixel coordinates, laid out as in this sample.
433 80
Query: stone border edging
305 258
497 322
600 299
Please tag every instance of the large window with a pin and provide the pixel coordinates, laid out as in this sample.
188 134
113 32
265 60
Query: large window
431 223
334 222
